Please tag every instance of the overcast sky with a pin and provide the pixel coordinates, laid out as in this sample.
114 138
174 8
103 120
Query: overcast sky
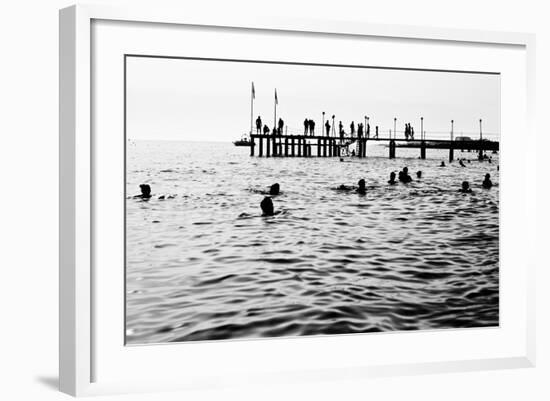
175 99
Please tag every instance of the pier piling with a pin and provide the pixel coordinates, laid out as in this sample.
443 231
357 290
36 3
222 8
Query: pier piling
301 146
392 149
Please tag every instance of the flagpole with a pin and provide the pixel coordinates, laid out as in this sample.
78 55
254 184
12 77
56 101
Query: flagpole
275 112
252 109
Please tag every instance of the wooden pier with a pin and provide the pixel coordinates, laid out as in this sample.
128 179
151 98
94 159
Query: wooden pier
327 146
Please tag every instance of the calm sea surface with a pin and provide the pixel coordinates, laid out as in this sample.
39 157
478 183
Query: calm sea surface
206 265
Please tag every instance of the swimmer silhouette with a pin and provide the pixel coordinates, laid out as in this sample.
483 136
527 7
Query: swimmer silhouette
392 178
465 188
442 164
343 188
404 175
487 183
145 191
274 189
461 163
267 206
419 174
361 189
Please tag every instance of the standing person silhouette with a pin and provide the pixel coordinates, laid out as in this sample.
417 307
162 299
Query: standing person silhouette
341 130
360 130
258 125
352 128
376 132
281 126
306 126
368 130
327 128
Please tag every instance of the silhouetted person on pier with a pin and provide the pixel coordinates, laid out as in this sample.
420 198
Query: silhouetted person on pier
487 183
368 130
376 132
361 189
267 206
411 132
465 188
407 132
442 164
266 130
274 189
404 176
360 130
274 132
392 178
258 125
306 126
327 128
341 130
311 127
145 192
281 126
352 128
419 174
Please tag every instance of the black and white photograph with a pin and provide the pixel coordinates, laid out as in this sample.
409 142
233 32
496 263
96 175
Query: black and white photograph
275 199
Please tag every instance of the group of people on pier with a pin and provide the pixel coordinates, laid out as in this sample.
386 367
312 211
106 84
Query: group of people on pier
277 131
409 132
309 129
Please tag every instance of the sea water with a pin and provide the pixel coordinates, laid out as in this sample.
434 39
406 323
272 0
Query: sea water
206 265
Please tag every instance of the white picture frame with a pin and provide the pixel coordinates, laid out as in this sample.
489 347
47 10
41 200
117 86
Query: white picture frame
79 345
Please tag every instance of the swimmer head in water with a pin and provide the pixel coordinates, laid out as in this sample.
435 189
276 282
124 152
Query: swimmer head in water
274 189
392 178
465 187
361 187
267 206
487 183
145 191
419 174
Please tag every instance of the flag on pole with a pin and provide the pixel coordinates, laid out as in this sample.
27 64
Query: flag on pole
276 100
253 91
